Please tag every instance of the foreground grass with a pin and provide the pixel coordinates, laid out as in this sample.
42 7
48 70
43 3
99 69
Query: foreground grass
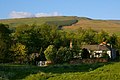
107 72
98 71
14 72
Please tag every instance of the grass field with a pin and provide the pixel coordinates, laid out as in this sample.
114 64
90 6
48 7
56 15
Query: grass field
60 20
98 71
110 26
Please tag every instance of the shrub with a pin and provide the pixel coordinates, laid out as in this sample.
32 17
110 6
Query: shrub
50 53
19 52
64 54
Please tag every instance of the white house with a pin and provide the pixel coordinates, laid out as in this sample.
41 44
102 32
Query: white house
98 50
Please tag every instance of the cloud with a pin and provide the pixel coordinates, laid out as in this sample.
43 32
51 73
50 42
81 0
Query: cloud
47 14
15 14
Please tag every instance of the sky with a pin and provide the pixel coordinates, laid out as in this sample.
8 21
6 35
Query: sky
95 9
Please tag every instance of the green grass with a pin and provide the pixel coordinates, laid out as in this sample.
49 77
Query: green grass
58 72
59 20
98 71
107 72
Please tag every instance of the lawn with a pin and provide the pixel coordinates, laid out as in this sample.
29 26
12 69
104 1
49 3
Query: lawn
97 71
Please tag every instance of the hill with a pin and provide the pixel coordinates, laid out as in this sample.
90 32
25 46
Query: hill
111 26
57 20
69 23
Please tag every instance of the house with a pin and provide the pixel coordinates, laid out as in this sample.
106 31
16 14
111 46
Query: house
99 50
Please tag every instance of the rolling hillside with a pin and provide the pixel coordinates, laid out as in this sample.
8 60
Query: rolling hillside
69 23
58 20
111 26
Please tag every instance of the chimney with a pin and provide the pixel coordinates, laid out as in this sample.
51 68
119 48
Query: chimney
71 44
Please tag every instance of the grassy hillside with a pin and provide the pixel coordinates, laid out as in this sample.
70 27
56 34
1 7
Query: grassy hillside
111 26
58 20
98 71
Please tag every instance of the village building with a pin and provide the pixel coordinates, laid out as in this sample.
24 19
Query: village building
98 51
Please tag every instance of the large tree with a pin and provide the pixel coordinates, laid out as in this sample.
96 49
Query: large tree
4 42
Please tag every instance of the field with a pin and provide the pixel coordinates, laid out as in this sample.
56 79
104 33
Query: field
69 23
110 26
97 71
58 20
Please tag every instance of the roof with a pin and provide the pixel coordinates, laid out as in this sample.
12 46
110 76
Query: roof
96 47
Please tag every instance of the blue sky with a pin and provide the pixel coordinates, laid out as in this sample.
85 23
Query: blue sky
96 9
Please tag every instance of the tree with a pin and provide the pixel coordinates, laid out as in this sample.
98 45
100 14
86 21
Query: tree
64 54
50 53
30 36
19 52
3 49
4 43
113 40
102 36
42 55
88 36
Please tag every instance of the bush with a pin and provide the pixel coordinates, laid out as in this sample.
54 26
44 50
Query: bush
19 52
64 54
50 53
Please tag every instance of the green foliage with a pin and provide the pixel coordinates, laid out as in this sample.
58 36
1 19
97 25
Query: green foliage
88 36
63 55
35 37
42 55
3 49
19 52
113 40
102 36
5 42
50 53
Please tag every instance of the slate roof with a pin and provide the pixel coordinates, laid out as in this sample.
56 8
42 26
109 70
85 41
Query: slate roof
96 47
